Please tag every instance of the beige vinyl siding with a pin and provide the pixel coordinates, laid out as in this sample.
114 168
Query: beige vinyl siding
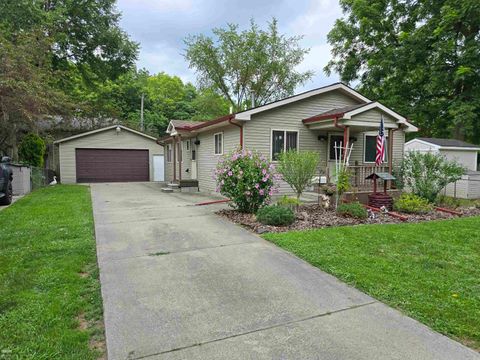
373 117
207 160
358 151
108 139
258 131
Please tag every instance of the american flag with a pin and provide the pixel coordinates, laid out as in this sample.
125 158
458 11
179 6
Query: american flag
380 157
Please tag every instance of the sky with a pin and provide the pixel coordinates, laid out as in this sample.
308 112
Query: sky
160 26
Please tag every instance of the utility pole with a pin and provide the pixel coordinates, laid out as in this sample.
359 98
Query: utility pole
141 114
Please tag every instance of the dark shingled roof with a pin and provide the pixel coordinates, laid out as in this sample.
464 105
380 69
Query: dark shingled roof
185 123
342 110
448 142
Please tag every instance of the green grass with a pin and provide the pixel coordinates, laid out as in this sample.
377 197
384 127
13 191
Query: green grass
50 303
430 271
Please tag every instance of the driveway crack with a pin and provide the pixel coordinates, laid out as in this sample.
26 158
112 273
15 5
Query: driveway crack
255 331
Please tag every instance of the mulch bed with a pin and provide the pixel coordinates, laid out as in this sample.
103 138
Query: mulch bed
314 217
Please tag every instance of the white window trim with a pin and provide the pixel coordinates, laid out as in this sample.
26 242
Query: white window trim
169 147
214 150
284 141
365 147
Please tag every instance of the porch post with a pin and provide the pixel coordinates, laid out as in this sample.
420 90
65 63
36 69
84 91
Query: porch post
390 156
346 137
174 158
390 150
180 157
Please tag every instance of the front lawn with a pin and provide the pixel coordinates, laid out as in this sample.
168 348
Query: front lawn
430 271
50 303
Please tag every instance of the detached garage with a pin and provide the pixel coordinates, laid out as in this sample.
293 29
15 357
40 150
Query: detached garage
112 154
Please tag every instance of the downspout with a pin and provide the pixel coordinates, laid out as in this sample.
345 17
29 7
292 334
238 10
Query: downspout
241 130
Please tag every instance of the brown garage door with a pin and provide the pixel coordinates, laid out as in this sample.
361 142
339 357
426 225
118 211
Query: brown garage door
110 165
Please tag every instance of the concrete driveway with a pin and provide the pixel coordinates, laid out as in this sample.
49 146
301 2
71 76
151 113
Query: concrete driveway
179 282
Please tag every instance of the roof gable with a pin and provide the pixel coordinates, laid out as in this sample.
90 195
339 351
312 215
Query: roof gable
247 114
348 112
104 129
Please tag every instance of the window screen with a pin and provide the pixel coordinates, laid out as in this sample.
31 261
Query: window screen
291 143
218 140
278 142
334 139
371 148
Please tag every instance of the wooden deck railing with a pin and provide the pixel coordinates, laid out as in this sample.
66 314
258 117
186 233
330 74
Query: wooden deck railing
358 175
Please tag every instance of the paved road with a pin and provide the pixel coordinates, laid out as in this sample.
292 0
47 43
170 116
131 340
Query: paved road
179 282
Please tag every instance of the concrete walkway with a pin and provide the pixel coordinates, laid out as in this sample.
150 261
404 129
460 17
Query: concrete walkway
179 282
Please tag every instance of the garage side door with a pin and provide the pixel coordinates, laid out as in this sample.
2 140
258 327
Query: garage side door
111 165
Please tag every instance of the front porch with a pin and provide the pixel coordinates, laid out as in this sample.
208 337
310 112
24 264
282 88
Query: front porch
357 127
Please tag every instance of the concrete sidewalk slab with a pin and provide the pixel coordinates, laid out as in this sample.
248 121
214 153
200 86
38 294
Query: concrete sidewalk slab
178 282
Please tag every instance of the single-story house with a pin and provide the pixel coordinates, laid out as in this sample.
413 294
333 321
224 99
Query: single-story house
314 120
468 187
111 154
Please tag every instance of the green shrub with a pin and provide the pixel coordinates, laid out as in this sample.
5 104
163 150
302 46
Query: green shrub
288 202
448 202
32 150
298 169
275 215
354 209
247 178
412 204
426 174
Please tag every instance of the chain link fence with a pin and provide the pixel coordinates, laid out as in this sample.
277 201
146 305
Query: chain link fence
40 177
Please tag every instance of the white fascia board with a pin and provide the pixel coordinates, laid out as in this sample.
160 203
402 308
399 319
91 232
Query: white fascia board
170 128
246 115
436 147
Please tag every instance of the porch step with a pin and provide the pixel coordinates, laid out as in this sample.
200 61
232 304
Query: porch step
173 186
166 190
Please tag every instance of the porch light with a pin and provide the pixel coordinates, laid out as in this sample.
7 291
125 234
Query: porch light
118 129
322 137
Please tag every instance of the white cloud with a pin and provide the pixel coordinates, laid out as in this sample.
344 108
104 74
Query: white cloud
157 5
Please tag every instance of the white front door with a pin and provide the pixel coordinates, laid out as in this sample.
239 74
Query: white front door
158 168
194 161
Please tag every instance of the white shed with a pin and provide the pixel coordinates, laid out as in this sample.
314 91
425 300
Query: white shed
464 153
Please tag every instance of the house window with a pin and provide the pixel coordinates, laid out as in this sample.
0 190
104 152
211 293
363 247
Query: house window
370 149
179 153
283 140
334 140
187 145
169 153
218 141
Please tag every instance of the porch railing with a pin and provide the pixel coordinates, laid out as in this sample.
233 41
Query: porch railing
358 175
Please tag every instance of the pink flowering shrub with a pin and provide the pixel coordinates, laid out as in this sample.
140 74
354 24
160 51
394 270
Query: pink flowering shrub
246 178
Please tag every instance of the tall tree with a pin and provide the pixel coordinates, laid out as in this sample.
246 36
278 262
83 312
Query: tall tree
26 89
236 63
421 58
84 33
